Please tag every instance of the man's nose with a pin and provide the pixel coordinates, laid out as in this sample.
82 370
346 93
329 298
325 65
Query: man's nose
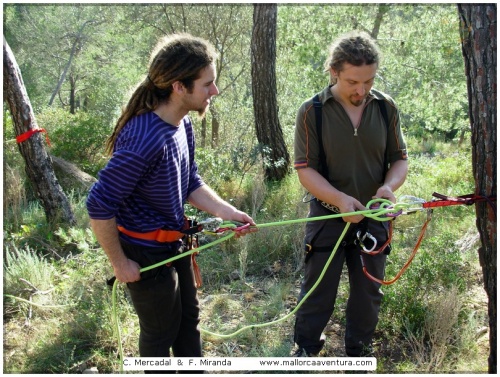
361 90
214 90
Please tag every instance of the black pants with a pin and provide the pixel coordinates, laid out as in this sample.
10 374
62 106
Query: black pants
166 303
362 306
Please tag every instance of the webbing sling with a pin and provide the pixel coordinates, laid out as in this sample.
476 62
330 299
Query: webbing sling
318 109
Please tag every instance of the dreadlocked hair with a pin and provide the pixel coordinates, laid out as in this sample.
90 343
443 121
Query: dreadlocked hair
177 57
356 48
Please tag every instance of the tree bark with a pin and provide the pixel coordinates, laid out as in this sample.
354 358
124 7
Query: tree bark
479 41
268 129
203 132
38 163
214 142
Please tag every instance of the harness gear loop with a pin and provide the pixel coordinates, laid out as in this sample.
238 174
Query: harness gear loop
308 249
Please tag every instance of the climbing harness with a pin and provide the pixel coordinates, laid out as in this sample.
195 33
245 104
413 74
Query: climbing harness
378 209
164 235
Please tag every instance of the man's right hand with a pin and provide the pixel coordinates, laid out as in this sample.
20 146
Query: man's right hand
127 271
348 205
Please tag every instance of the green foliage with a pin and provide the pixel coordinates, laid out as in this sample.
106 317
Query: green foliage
422 68
431 91
28 265
79 328
221 165
78 138
92 49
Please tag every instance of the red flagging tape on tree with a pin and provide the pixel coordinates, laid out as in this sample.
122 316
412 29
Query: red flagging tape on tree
25 136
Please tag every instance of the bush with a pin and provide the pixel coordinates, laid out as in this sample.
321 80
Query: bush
28 276
78 138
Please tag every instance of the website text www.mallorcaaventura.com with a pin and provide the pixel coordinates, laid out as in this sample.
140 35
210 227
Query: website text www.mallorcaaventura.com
318 362
251 363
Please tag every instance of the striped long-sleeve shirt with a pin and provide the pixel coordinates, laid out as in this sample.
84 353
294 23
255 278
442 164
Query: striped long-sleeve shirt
149 177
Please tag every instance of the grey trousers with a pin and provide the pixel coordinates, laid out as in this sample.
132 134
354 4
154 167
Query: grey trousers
166 302
362 306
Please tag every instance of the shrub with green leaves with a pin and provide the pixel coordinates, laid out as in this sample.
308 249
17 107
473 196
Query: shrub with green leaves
78 138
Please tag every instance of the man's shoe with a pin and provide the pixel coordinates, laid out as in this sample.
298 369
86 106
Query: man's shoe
301 352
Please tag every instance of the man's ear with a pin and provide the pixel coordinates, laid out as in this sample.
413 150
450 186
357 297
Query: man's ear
333 73
178 87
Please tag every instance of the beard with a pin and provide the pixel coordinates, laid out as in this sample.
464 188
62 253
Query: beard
357 102
202 112
201 109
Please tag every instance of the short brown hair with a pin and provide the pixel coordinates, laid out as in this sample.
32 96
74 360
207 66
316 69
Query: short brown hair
356 48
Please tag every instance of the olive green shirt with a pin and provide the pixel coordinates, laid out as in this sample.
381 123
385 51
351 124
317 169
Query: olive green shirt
355 160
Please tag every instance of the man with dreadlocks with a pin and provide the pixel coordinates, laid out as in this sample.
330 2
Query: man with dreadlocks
343 161
137 206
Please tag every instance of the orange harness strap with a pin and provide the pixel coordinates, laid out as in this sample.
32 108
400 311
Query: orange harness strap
160 235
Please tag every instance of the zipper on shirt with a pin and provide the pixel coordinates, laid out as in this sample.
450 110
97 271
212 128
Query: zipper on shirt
360 118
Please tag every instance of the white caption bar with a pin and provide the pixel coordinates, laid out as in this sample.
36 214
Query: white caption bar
249 363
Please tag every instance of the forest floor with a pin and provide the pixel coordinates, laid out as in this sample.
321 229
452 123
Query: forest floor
393 355
252 300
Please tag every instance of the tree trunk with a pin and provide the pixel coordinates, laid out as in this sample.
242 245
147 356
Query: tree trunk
214 142
268 129
203 132
38 164
382 10
479 41
70 175
72 95
74 47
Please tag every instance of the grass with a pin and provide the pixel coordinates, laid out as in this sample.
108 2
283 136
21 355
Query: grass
252 280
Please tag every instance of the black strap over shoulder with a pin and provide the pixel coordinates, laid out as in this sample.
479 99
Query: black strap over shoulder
318 110
383 111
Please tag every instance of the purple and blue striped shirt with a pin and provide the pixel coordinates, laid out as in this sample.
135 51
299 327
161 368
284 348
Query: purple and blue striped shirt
149 177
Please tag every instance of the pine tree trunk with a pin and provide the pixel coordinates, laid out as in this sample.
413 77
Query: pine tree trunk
479 41
268 129
38 163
